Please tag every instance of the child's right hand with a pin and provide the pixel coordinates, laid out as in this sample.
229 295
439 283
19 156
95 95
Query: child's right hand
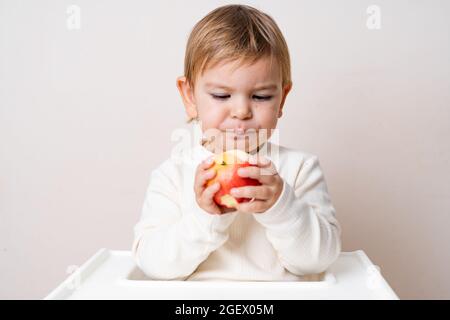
205 195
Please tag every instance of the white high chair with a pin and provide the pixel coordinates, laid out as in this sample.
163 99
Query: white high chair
113 275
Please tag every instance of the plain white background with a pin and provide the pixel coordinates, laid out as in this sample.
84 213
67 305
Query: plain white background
86 114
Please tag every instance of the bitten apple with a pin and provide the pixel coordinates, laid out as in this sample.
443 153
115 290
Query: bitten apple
226 166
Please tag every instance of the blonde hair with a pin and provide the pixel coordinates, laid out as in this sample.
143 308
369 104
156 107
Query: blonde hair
235 33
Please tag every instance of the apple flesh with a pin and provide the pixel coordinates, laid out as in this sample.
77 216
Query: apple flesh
226 166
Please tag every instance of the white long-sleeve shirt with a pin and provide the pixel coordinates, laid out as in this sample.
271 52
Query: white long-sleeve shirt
297 237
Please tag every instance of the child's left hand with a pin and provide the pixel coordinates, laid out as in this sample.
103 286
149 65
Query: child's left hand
264 195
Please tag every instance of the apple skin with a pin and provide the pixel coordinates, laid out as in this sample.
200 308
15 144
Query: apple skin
226 166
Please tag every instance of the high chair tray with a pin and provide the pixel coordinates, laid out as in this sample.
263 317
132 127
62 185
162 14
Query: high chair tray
114 275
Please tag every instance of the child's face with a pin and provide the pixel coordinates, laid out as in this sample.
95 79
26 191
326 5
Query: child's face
233 98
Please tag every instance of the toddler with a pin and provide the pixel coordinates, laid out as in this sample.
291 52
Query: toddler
236 79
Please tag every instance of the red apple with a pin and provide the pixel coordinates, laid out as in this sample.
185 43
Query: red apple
226 166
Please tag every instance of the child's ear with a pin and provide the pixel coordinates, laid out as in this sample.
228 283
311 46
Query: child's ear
286 90
187 94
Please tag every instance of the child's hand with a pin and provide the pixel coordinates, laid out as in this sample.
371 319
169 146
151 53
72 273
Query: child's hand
204 196
264 195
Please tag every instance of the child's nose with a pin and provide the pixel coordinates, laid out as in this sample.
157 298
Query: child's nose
241 110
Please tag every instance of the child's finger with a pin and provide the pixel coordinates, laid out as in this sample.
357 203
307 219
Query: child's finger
263 175
209 192
255 206
202 178
259 160
207 163
204 165
257 192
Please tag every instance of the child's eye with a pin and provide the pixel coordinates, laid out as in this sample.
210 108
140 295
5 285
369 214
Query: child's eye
220 97
262 98
223 97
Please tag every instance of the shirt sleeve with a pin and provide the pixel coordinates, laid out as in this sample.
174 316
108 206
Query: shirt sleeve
169 243
302 224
